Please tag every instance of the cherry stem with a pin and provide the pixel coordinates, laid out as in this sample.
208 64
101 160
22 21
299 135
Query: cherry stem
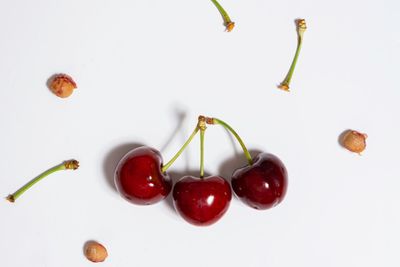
229 24
234 133
66 165
300 28
169 163
203 127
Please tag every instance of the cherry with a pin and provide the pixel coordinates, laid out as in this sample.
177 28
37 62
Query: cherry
263 184
139 177
202 201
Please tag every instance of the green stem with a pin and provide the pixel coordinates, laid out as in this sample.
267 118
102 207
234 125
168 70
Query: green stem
71 164
169 163
289 75
234 133
229 24
301 27
202 131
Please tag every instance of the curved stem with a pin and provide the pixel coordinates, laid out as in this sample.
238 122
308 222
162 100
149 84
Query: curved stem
67 165
289 75
300 28
202 131
229 24
234 133
169 163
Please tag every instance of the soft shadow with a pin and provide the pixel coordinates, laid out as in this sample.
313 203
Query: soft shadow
234 162
341 137
233 142
178 132
180 117
175 177
49 80
113 157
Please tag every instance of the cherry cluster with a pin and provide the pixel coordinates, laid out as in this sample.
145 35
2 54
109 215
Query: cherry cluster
142 178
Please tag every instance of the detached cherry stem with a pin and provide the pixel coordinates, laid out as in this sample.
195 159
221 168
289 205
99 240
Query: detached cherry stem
229 24
235 134
300 28
66 165
176 156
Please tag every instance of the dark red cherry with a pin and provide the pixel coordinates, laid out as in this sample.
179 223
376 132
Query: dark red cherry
262 185
139 179
202 201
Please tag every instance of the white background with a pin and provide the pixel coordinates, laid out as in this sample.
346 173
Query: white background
145 71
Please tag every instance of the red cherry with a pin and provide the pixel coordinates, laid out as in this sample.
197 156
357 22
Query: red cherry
202 201
262 185
139 179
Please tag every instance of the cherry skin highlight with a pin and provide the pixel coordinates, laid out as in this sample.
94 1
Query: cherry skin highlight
202 201
262 185
139 179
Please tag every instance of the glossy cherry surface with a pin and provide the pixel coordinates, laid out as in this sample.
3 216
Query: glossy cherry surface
139 179
202 201
262 185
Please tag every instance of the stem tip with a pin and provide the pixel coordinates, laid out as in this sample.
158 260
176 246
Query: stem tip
202 123
284 86
229 26
210 120
71 164
10 198
301 25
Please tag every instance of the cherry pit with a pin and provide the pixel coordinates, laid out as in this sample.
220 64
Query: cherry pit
141 178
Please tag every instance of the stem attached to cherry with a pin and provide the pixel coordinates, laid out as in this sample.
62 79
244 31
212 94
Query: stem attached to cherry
203 127
66 165
234 133
300 28
229 24
169 163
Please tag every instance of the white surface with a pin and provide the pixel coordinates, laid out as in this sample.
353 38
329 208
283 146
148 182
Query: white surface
138 64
